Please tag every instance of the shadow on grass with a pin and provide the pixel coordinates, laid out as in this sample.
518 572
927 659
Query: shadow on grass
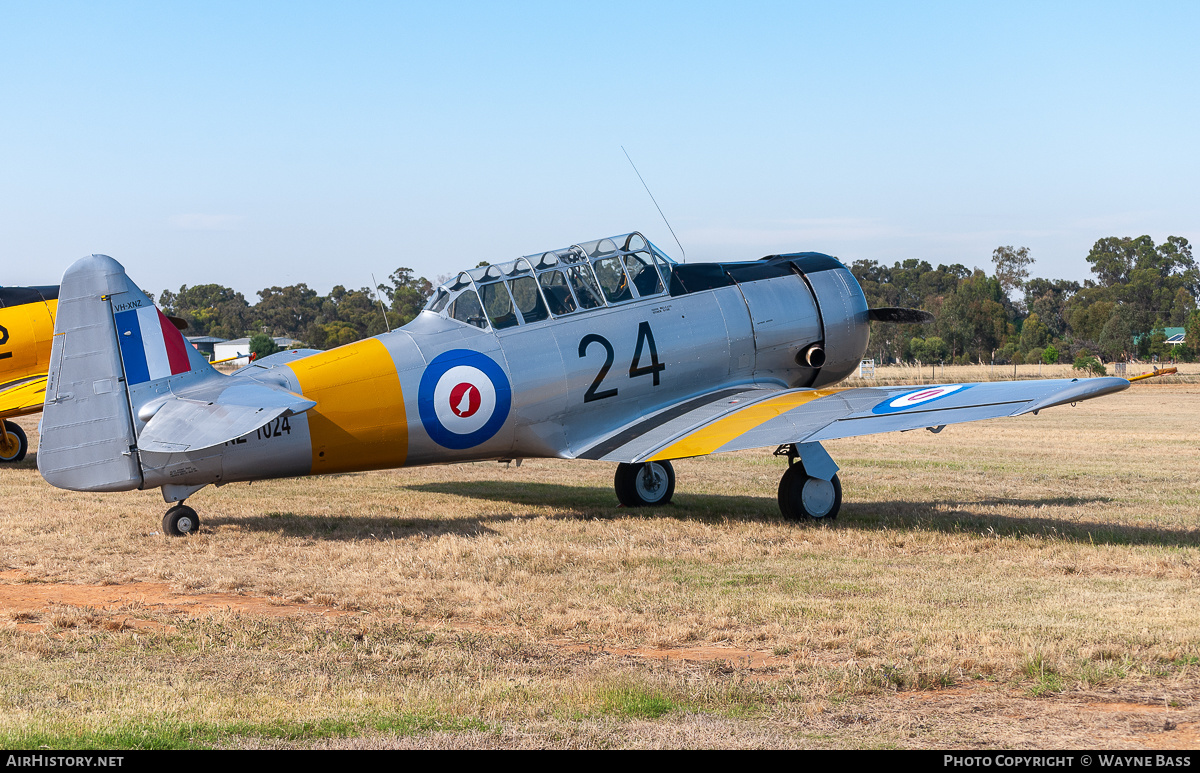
560 501
963 518
513 501
28 463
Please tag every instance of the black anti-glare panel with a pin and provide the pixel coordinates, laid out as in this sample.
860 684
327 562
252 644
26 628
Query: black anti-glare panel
19 296
751 272
808 262
694 277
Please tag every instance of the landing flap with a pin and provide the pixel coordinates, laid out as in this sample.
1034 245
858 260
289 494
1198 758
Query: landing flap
214 413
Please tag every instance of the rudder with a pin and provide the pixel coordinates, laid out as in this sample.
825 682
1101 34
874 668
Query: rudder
111 349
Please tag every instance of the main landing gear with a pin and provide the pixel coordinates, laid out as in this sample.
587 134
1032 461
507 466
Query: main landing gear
812 493
809 490
13 443
645 484
180 521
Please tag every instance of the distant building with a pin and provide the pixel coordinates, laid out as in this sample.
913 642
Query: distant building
240 348
205 344
1175 336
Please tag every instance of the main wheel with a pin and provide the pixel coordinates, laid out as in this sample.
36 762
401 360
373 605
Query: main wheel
803 497
180 521
13 444
646 484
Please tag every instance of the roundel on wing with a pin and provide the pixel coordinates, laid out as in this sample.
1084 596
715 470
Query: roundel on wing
464 398
917 397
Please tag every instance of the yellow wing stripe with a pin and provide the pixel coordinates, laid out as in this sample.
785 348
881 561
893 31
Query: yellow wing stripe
712 436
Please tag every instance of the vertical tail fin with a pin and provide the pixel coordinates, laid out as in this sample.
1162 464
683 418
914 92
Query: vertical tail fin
113 352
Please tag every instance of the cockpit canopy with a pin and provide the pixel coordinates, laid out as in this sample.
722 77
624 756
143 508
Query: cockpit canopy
559 283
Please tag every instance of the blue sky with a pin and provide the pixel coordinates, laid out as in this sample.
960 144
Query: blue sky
259 143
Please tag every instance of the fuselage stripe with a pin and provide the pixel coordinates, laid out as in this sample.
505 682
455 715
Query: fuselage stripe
600 450
359 422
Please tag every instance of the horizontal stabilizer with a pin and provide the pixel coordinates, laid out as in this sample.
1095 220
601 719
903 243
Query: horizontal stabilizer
213 413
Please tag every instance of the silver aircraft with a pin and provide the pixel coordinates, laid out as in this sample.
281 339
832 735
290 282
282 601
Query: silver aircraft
606 350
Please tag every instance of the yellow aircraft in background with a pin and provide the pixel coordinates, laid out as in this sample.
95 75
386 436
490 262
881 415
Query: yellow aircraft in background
26 330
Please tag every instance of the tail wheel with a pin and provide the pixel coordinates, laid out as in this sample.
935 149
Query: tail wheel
646 484
804 498
180 521
13 443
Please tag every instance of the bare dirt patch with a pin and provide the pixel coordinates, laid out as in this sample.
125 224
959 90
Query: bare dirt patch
31 604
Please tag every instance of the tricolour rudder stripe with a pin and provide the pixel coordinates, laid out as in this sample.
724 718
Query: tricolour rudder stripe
133 349
177 356
151 347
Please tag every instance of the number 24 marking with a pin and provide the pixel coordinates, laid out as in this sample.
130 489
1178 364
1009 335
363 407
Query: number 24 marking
644 336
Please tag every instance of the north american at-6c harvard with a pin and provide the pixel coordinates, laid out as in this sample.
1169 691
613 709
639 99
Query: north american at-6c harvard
606 350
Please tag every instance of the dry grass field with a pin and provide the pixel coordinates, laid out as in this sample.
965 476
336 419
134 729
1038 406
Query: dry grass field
1022 583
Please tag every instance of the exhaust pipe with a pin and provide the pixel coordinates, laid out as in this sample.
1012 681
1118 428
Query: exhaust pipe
811 357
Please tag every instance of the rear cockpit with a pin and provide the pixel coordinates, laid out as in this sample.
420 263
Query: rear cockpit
559 283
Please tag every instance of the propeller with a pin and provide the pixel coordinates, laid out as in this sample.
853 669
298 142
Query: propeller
901 315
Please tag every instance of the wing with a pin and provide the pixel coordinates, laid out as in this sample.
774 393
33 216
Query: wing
755 418
22 396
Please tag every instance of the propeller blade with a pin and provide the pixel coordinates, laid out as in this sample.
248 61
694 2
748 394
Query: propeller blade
897 314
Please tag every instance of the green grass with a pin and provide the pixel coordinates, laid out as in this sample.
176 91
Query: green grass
174 734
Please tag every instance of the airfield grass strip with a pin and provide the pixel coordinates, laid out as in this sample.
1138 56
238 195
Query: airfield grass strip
159 734
1033 559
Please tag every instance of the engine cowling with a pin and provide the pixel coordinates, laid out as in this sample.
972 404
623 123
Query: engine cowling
843 325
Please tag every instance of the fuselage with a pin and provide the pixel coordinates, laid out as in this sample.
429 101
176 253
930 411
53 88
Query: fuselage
544 357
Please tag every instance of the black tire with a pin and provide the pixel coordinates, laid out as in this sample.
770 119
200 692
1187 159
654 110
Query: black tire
180 521
645 484
17 446
805 498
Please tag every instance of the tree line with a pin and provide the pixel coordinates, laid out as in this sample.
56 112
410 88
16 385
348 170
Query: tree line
1139 288
299 312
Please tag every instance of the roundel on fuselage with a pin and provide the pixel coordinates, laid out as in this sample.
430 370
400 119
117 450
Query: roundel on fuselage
464 398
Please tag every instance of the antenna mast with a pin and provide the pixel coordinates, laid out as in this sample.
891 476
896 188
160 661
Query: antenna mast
682 252
375 292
